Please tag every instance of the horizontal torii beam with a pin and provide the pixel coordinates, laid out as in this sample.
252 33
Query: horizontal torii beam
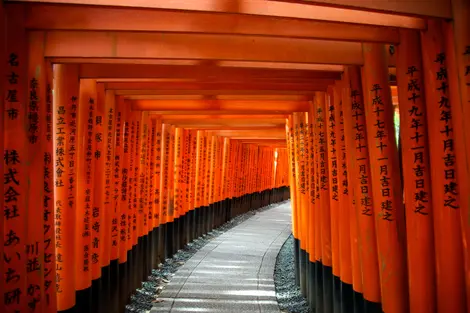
229 105
76 17
303 10
136 45
242 87
201 72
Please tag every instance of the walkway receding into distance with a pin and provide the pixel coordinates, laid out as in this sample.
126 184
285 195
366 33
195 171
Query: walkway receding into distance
233 272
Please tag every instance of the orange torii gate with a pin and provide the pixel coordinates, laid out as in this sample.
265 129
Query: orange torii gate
128 132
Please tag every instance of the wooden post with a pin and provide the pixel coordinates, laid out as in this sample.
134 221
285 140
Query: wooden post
36 141
97 220
65 101
417 184
15 158
85 186
458 45
332 143
359 176
386 185
445 192
50 288
110 213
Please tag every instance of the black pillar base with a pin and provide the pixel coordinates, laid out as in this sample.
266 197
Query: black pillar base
372 307
311 285
319 286
83 302
303 274
297 261
347 295
327 289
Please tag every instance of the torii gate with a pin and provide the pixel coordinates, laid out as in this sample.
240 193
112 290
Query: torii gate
127 123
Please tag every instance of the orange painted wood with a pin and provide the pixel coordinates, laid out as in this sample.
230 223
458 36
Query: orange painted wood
178 172
312 183
202 105
137 218
128 87
386 185
142 208
158 173
14 166
118 230
132 197
110 218
450 272
417 184
98 211
323 175
308 153
2 127
50 294
302 199
148 72
333 166
457 43
198 169
360 178
347 239
296 10
199 47
171 179
99 18
164 179
206 168
65 102
85 183
35 141
193 158
151 169
123 116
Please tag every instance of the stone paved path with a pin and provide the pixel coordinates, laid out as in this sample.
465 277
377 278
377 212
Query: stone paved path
233 272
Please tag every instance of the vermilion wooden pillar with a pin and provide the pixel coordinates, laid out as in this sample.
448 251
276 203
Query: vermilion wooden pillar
14 166
416 173
37 141
85 187
122 145
332 141
451 295
2 128
49 202
312 190
345 204
355 133
65 102
110 222
458 43
99 158
386 185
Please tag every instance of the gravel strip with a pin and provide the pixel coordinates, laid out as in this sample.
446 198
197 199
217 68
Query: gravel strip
143 298
289 297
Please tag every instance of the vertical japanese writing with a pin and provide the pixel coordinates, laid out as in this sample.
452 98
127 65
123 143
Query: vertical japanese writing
97 209
158 166
380 135
450 184
417 140
117 220
332 151
48 201
359 132
60 141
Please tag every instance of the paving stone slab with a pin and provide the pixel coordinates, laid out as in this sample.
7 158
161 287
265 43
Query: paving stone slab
233 272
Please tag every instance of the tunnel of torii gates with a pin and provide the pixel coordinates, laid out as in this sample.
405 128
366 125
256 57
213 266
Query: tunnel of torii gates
132 128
